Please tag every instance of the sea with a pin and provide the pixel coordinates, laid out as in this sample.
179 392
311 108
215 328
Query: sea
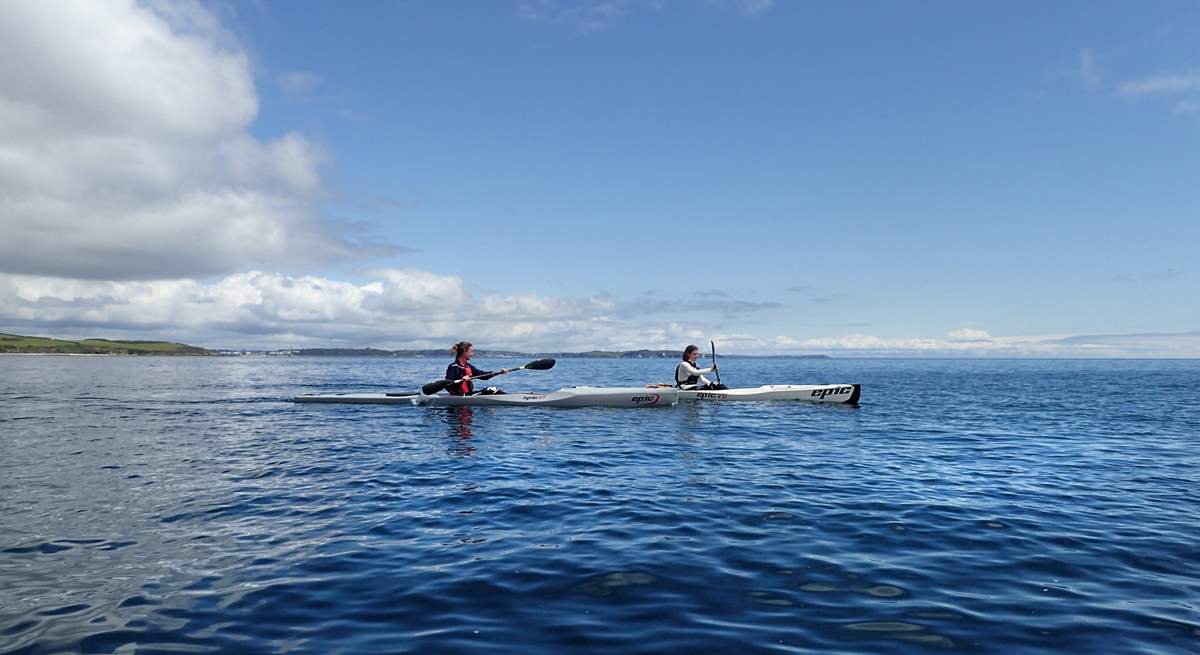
186 505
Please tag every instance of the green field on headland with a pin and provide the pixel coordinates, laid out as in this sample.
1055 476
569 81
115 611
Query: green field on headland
15 343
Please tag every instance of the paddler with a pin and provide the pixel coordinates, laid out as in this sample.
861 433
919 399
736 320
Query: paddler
461 369
688 376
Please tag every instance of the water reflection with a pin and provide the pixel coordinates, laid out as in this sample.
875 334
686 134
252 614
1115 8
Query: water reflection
458 419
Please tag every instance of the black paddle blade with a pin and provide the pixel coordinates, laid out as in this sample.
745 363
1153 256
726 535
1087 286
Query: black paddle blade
434 387
540 365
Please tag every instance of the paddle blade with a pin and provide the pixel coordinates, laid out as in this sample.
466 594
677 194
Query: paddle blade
434 387
540 365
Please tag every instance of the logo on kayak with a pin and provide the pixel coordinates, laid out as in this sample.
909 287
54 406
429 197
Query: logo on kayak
709 394
648 399
533 397
831 391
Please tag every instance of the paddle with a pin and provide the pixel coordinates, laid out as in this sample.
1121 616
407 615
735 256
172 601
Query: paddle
714 352
535 365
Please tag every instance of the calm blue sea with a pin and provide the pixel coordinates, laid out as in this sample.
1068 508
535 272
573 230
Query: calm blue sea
988 506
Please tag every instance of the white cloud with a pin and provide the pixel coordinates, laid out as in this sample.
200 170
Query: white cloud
419 309
402 291
969 334
1161 84
397 308
125 151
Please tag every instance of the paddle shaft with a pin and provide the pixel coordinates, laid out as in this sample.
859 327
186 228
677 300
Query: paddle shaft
439 385
715 369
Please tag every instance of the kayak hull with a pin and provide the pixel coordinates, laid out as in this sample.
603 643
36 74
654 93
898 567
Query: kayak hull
631 397
841 394
569 397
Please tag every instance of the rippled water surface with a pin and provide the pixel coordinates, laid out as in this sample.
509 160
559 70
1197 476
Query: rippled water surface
183 504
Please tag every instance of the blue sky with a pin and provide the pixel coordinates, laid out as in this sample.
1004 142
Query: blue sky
939 178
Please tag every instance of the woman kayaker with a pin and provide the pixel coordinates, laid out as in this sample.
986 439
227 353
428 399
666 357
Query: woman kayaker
688 376
461 369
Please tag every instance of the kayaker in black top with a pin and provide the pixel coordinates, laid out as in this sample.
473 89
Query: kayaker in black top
688 376
461 369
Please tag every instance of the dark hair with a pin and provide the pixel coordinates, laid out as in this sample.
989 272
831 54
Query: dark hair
689 350
460 348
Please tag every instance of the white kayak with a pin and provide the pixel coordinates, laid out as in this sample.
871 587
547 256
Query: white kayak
569 397
846 394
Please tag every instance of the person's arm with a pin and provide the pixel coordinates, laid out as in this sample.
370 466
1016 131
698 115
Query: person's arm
484 375
692 370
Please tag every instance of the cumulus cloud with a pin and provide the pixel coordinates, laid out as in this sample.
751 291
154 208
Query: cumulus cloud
968 334
125 152
398 308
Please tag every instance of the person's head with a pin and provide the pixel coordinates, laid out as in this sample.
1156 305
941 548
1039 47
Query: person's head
462 350
691 353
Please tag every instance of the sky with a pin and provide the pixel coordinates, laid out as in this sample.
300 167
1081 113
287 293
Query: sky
935 179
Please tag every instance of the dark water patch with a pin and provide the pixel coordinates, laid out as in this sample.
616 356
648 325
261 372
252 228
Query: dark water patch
19 627
64 610
45 548
137 601
606 584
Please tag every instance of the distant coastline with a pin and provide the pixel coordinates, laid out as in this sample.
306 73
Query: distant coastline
15 344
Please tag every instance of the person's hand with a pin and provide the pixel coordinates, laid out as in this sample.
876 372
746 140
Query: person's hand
504 371
714 366
466 378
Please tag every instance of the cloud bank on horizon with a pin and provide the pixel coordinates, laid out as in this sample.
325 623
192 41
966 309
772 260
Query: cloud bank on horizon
137 202
418 309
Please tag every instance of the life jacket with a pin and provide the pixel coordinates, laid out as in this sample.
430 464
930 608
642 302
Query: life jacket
465 387
692 379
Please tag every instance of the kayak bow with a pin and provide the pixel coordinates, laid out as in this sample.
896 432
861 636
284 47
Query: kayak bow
846 394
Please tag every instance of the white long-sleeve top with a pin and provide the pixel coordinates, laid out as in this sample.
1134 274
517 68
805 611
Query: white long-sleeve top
685 370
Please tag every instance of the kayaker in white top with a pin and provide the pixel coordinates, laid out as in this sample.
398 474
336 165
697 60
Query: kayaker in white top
688 376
